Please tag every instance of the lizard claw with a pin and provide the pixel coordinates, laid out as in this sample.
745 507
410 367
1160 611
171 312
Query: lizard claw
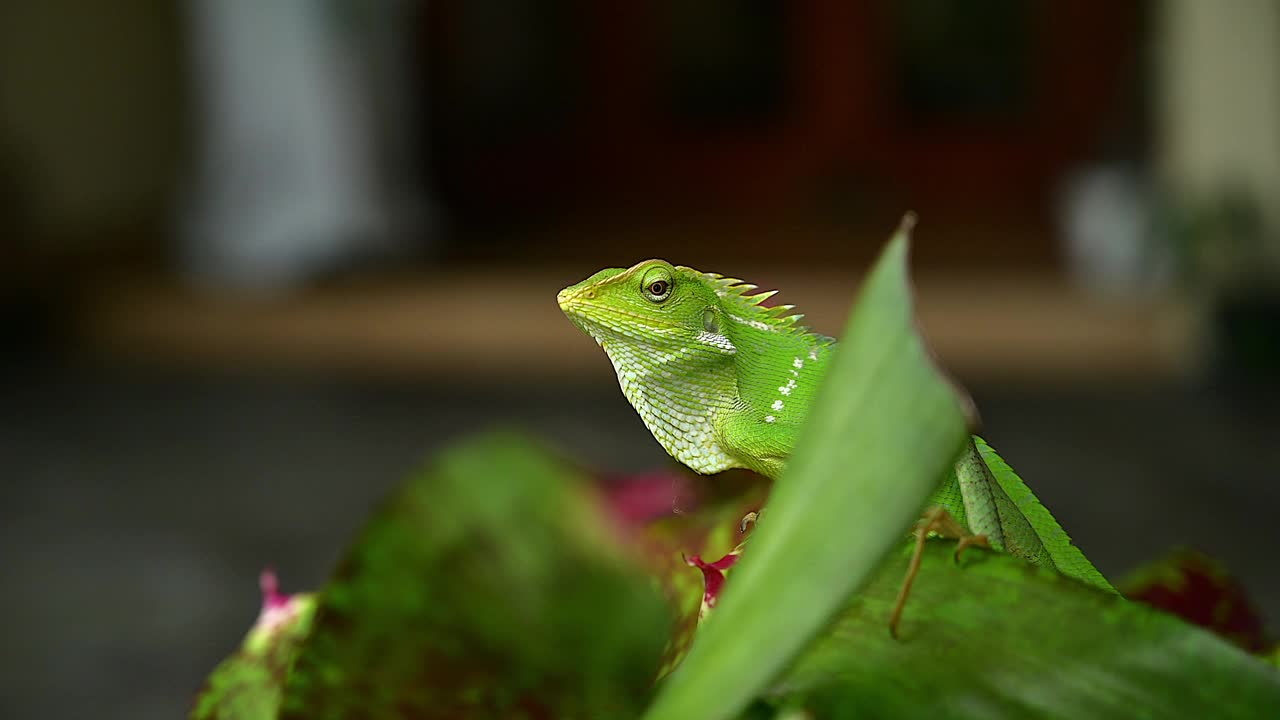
966 541
748 520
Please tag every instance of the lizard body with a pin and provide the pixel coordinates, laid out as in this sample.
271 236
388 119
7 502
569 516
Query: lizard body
723 381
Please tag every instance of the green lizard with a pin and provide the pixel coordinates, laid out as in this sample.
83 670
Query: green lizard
723 381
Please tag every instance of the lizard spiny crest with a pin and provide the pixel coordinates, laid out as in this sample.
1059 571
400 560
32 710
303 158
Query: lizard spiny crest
733 293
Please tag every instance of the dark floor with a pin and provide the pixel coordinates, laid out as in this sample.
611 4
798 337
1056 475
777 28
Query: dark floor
136 510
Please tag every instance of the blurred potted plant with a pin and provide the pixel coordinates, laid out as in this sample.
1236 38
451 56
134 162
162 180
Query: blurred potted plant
1225 251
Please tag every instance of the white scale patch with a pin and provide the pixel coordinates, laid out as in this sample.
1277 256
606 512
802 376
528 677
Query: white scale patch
757 324
777 405
679 415
716 340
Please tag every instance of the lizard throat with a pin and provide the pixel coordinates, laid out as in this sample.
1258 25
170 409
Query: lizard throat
677 399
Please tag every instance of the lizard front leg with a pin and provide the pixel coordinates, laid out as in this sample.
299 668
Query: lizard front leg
936 520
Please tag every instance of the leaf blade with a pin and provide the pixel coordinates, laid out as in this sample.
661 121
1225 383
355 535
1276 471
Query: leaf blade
851 484
994 636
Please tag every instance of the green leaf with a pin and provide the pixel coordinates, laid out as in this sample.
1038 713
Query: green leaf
488 586
993 636
1028 523
248 684
1066 557
883 430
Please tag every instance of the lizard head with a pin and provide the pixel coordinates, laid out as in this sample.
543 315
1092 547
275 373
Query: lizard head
655 307
673 335
652 306
660 326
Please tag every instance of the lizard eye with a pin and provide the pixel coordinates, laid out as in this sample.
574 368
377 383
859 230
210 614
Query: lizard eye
657 286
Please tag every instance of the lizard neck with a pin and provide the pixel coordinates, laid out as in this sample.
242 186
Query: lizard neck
779 374
775 379
680 393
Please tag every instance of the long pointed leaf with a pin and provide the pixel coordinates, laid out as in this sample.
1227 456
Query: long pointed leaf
882 432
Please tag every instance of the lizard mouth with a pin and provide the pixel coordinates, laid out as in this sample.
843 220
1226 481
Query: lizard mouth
567 296
580 307
609 325
573 308
578 313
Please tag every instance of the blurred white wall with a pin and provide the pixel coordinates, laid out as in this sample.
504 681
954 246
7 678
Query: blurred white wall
286 177
1218 112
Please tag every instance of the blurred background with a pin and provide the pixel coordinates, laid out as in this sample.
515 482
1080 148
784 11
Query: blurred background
258 260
